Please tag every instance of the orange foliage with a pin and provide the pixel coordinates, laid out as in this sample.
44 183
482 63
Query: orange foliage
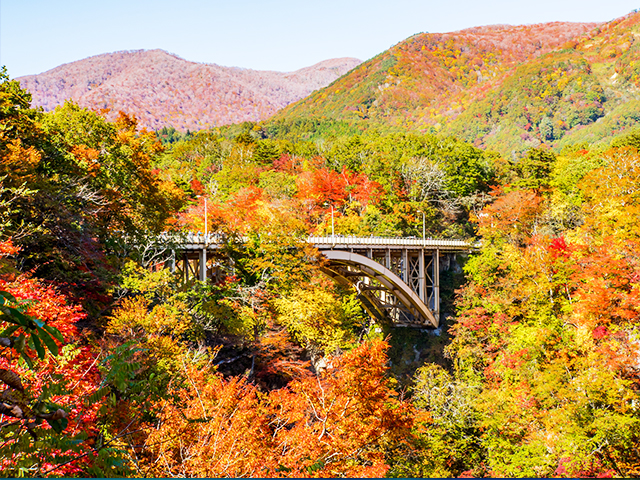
325 185
512 214
335 424
7 248
19 163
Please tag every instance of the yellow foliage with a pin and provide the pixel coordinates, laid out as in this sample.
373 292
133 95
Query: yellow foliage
317 317
135 319
613 196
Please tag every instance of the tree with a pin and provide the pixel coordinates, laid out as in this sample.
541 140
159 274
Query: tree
534 169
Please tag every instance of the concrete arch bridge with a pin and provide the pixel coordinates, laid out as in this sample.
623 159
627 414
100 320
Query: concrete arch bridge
397 279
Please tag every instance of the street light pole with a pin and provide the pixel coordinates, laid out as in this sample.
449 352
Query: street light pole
333 239
203 253
424 241
205 220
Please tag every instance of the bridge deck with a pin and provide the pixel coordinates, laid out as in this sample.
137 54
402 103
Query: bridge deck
198 241
345 242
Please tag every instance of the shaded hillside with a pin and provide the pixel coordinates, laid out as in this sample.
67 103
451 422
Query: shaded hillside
163 89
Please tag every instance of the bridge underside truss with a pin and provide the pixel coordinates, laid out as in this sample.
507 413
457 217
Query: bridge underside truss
197 265
385 295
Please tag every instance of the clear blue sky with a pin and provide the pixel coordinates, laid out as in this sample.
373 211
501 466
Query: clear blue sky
283 35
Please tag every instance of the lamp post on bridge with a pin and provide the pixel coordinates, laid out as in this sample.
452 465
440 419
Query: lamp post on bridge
205 221
422 290
203 253
424 241
333 237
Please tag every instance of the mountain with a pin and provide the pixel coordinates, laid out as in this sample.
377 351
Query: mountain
163 89
506 88
585 91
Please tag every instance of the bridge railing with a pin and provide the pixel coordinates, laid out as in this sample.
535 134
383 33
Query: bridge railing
200 240
388 241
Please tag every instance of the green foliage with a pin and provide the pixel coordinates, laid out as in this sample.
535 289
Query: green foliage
18 121
25 330
300 129
169 135
10 199
70 179
277 184
266 152
632 139
534 169
447 426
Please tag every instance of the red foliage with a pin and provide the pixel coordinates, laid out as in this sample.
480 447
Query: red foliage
600 331
74 370
322 185
325 186
603 287
197 187
288 163
559 248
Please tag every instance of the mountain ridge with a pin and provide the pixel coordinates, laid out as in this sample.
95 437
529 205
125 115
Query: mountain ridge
161 88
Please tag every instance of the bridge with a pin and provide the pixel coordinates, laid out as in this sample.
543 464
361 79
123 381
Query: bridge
397 280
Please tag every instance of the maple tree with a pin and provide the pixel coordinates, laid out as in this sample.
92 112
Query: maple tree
50 421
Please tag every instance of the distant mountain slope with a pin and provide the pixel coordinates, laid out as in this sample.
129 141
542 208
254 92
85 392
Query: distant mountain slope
426 73
584 91
507 88
163 89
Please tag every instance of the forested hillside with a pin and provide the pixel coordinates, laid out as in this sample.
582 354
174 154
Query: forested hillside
503 88
161 89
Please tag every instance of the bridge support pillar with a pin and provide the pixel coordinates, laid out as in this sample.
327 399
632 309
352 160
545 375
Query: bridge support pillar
406 271
203 265
436 285
423 280
186 266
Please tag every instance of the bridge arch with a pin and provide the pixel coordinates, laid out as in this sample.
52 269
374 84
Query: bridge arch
383 294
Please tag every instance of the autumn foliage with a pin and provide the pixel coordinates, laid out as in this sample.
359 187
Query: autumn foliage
547 329
336 424
54 389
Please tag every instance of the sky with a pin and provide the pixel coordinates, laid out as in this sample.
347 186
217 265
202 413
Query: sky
281 35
